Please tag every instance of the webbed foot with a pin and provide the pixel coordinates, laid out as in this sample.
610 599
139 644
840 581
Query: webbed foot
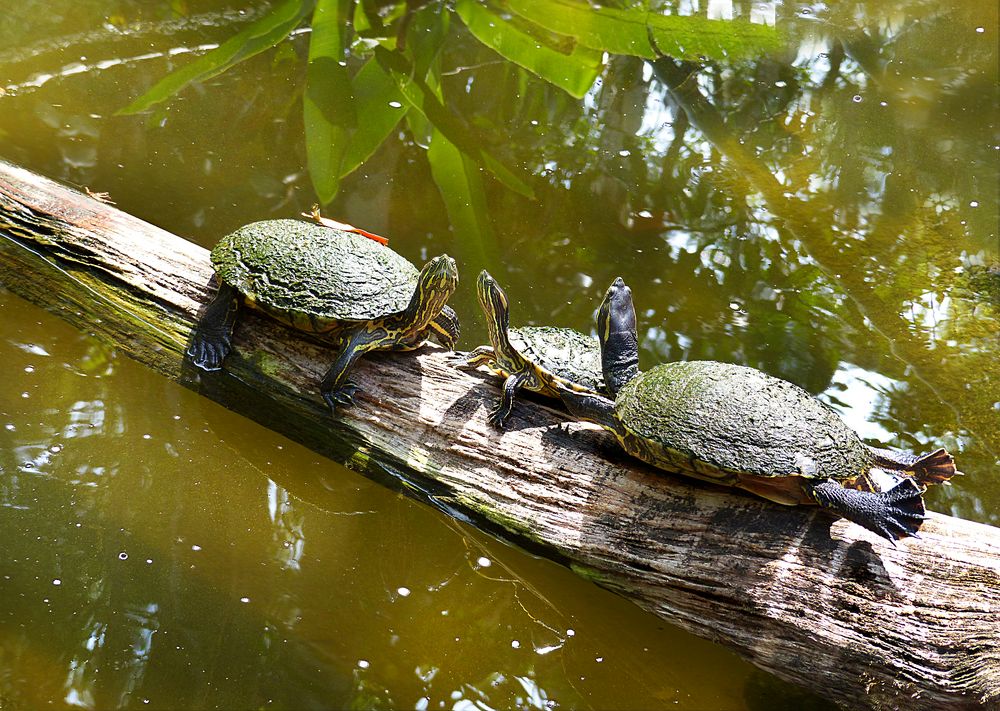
209 347
499 414
342 396
892 514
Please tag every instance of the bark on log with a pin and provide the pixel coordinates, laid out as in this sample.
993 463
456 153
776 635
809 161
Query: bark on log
814 600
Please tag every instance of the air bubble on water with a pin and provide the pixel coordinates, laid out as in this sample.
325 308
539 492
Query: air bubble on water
9 427
244 600
403 592
883 103
484 562
29 369
123 556
624 154
570 633
780 84
147 436
980 30
974 203
395 105
515 644
196 548
25 395
57 581
55 448
856 98
363 664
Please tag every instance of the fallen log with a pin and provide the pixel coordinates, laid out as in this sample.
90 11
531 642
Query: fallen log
814 600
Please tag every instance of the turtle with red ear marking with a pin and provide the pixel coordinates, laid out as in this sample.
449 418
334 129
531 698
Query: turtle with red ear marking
740 427
339 285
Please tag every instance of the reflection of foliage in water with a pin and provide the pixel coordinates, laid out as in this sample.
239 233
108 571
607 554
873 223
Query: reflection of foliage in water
794 217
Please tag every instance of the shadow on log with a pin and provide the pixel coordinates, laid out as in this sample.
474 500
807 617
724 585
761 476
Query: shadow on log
812 599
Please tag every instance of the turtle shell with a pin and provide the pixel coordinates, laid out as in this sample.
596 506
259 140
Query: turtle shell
314 275
564 352
715 418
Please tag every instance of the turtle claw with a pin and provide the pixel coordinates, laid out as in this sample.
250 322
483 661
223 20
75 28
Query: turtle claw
498 416
208 349
342 396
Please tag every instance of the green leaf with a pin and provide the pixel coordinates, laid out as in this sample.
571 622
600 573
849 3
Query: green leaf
573 71
253 39
421 97
328 104
461 185
379 101
650 34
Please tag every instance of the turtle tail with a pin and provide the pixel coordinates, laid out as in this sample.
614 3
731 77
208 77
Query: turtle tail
934 468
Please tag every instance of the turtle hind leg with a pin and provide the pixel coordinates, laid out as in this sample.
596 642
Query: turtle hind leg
934 468
892 514
212 337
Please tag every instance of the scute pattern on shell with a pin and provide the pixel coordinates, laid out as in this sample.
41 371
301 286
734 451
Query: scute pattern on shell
561 351
740 419
302 267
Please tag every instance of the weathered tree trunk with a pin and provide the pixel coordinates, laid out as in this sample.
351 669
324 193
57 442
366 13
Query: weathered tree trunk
812 599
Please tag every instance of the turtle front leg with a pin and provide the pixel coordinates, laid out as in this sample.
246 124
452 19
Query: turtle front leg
892 514
501 411
212 337
336 389
482 355
446 328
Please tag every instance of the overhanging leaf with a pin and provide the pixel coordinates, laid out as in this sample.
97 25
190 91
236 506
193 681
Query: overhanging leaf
328 104
379 101
461 186
649 34
253 39
573 71
422 97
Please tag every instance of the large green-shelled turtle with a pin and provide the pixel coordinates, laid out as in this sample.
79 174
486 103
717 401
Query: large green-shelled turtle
740 427
531 357
338 285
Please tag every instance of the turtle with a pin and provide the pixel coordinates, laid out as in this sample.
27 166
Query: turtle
738 426
531 356
338 285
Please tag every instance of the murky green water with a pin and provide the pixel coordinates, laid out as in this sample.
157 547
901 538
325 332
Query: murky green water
159 552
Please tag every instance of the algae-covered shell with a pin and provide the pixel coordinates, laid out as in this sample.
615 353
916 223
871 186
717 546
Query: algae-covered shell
738 419
306 269
563 352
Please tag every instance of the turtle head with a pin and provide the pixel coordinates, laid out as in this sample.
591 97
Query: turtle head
616 328
495 307
435 285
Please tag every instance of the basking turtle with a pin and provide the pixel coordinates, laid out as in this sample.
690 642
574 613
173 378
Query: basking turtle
339 285
740 427
531 356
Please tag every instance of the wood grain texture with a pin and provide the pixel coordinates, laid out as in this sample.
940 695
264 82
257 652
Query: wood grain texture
815 600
